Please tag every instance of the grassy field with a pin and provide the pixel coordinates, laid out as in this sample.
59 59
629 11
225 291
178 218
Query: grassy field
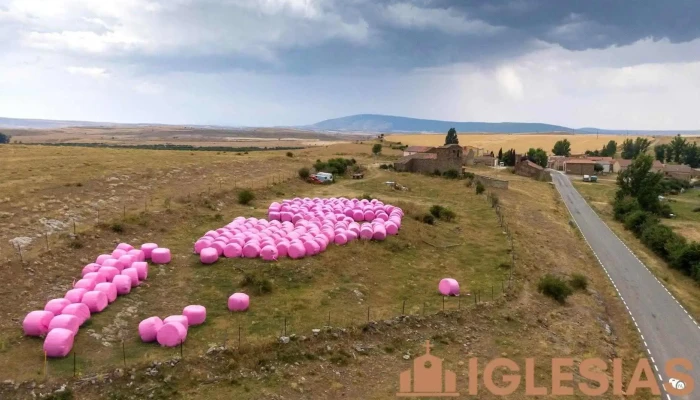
354 359
519 142
602 193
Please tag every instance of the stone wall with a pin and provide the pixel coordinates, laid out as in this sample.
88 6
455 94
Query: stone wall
491 182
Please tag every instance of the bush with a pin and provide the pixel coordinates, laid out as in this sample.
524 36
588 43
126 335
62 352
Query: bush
245 196
116 227
480 188
579 281
436 210
447 215
636 220
451 174
469 182
384 166
437 172
696 209
304 173
366 196
623 206
656 236
687 258
290 154
256 283
554 287
428 219
469 175
494 200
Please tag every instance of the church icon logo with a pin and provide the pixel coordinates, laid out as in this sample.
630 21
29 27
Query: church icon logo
427 378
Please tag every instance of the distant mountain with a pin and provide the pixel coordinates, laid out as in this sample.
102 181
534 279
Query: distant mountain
388 123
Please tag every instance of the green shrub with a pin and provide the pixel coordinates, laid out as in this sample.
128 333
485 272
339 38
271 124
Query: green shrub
436 210
655 237
428 219
687 258
636 220
366 196
554 287
480 188
257 283
469 175
290 154
696 209
579 281
623 206
448 215
436 172
451 174
469 182
304 173
245 196
116 227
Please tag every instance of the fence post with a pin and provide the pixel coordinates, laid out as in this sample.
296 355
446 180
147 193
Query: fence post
124 354
329 318
403 308
239 337
367 314
285 326
443 303
46 235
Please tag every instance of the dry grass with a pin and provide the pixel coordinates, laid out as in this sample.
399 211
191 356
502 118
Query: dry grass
519 142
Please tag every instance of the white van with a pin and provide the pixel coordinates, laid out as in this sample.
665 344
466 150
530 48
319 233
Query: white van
324 177
586 178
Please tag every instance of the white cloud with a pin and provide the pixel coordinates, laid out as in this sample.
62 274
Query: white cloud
449 21
92 72
510 82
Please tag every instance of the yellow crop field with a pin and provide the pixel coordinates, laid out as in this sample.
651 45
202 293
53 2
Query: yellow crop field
521 142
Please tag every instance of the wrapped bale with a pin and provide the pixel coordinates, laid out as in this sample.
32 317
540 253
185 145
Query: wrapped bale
391 228
282 248
88 284
92 267
75 295
251 250
448 287
113 262
96 276
118 253
178 318
36 323
133 274
201 244
233 250
127 260
58 342
209 255
196 314
269 253
217 246
160 255
56 305
142 269
80 310
340 238
238 302
137 254
351 235
296 250
379 232
148 329
109 273
171 334
312 248
123 283
366 232
109 289
125 246
102 257
147 248
65 321
95 300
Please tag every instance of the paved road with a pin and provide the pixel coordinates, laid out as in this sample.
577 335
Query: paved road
666 328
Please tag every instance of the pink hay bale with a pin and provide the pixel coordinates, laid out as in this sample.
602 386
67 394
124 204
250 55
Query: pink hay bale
182 319
366 233
125 246
196 315
312 248
56 305
218 246
75 295
358 215
351 235
238 302
160 255
36 323
251 250
148 329
201 244
282 248
127 260
133 274
65 321
118 253
322 242
92 267
269 253
96 276
109 273
102 257
142 269
137 254
448 287
340 238
109 289
233 250
113 262
212 234
368 215
58 342
123 283
296 249
147 248
391 228
95 300
379 233
171 334
274 215
80 310
209 255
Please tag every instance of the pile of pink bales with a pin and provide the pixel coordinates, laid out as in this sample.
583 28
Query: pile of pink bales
172 331
111 275
300 227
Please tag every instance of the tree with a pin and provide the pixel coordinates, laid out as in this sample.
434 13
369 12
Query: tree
376 149
594 153
639 182
678 145
692 155
451 137
500 154
4 139
669 153
597 167
641 145
627 149
538 156
562 148
610 149
660 152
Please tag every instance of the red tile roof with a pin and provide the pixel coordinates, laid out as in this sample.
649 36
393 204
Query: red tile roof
417 149
579 161
419 156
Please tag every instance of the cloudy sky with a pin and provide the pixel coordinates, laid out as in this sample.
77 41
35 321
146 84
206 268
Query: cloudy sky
613 64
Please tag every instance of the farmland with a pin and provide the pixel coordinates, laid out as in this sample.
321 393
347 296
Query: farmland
173 197
519 142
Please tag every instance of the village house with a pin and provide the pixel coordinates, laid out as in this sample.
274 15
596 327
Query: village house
683 172
657 166
488 161
556 162
579 166
443 158
528 168
410 150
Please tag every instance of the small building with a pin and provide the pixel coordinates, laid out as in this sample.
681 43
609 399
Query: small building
443 158
657 166
579 166
683 172
528 168
415 149
607 166
556 162
489 161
